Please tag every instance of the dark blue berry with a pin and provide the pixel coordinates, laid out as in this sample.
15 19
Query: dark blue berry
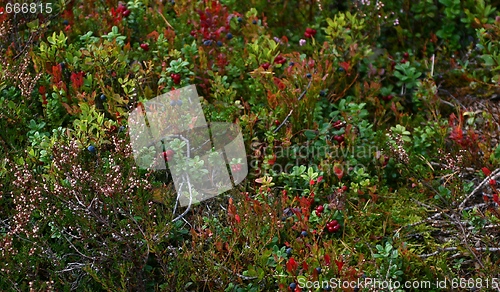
293 286
318 269
63 65
288 251
291 64
65 22
254 21
103 97
322 93
229 35
303 233
173 102
341 69
308 75
328 288
219 44
240 19
91 149
121 129
179 102
207 42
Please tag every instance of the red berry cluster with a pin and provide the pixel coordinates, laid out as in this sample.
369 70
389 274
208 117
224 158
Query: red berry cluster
339 138
236 167
119 12
333 226
405 57
176 78
279 60
309 33
265 66
387 97
319 210
145 47
338 124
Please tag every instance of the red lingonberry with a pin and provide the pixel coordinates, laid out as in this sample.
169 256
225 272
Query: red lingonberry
279 59
339 138
126 13
493 182
145 47
309 32
338 124
168 154
320 208
265 66
176 78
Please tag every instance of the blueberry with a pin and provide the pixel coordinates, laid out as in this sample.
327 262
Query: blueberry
254 21
63 65
103 97
65 22
91 149
121 129
291 64
328 288
303 233
293 286
173 102
219 43
229 35
288 251
179 102
322 93
318 269
240 19
308 75
207 42
341 69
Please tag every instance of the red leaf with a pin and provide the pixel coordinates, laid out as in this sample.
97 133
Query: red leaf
486 171
305 266
340 264
345 65
327 259
291 265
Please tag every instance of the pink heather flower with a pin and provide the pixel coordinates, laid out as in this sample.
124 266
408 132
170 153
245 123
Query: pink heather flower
302 42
